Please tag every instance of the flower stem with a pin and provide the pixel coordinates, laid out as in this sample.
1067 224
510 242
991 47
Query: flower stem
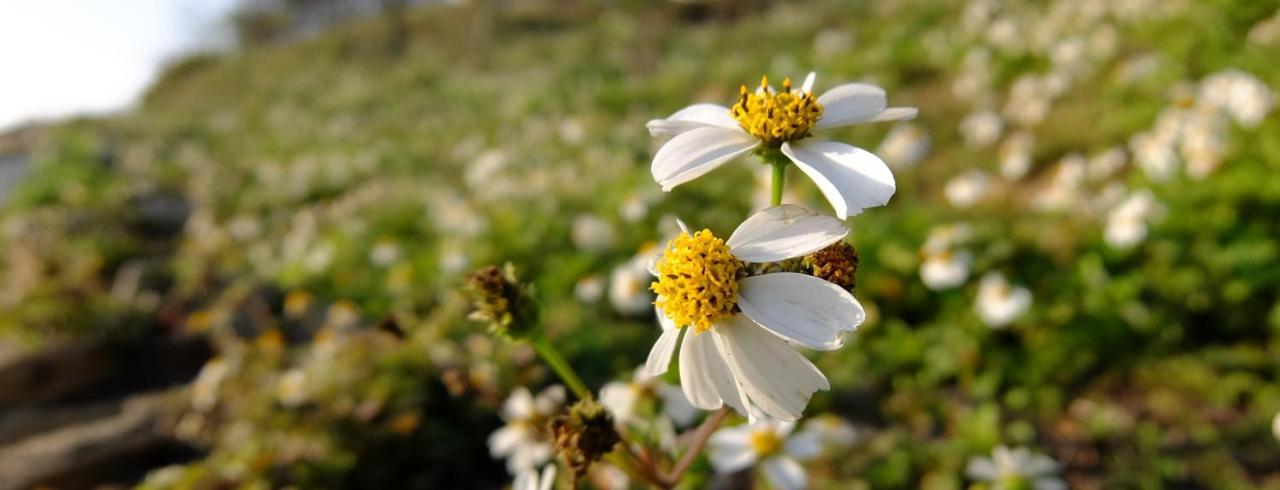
560 366
779 178
700 437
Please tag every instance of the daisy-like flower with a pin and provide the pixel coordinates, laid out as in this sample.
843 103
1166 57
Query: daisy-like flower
831 430
531 479
998 303
622 398
524 441
767 443
707 136
736 349
1010 469
1127 222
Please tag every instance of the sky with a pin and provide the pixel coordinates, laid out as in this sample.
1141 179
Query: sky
64 57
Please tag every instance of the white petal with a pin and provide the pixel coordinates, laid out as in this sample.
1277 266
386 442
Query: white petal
774 376
982 469
784 473
850 103
729 449
895 114
620 399
675 405
800 308
804 445
807 86
519 405
548 478
704 376
505 440
660 355
696 152
549 399
693 117
782 232
851 178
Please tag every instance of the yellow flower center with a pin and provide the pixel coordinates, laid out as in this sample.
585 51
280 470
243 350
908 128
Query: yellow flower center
697 280
765 442
778 117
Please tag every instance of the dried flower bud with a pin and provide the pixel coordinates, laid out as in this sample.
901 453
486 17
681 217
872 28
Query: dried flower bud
501 301
836 264
584 435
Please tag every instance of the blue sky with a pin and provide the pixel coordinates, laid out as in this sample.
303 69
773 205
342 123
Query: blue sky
62 57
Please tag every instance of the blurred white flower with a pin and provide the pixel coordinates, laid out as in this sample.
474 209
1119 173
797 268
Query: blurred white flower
707 136
591 233
204 390
1063 189
1106 164
998 303
1155 154
530 479
634 208
1015 155
1014 469
453 257
968 188
1266 31
1242 96
589 289
384 253
738 331
622 397
1029 100
1275 426
291 389
831 430
905 145
943 237
609 477
1127 222
629 285
769 444
523 441
981 128
945 269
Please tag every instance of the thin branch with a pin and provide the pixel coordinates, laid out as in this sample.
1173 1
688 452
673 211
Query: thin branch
700 437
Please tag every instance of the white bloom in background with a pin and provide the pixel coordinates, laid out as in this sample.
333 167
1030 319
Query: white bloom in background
944 237
1127 222
592 233
621 399
291 390
609 477
968 188
739 330
523 440
204 390
769 444
384 253
981 128
1155 154
1275 426
1013 469
1203 141
831 430
998 303
1063 190
1029 100
1015 155
589 289
453 258
629 286
1106 164
706 136
634 208
945 269
530 479
1242 96
905 145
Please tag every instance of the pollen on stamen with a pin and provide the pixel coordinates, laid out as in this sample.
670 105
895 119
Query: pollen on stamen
776 117
697 280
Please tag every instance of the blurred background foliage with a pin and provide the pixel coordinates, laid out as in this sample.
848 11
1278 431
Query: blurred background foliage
311 201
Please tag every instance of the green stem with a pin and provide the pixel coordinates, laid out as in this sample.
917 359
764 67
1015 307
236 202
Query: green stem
560 366
779 178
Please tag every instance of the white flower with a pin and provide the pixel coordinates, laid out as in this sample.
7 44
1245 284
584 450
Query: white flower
589 289
831 430
1009 469
204 390
766 443
736 348
530 479
291 389
981 128
523 440
1063 189
629 286
968 188
1106 164
1127 222
1015 155
1275 426
384 253
945 269
998 303
905 145
592 233
621 399
1241 95
706 136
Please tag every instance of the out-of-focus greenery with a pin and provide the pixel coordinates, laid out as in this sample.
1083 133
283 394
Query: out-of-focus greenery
336 192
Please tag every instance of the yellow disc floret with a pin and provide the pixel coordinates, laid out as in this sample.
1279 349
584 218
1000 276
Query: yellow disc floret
697 280
776 117
765 442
